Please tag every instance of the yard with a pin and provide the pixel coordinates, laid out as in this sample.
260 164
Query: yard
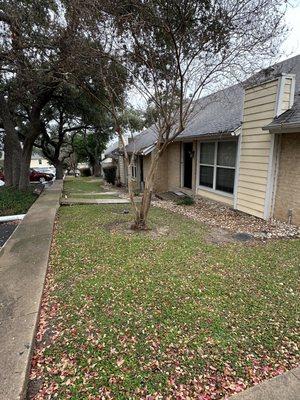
82 185
13 201
161 313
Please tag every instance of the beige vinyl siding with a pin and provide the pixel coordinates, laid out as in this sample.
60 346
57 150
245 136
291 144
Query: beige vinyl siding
288 93
259 110
215 196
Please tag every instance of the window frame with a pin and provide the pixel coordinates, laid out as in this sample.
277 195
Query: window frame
215 166
134 170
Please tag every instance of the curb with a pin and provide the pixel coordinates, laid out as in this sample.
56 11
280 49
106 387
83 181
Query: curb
8 218
23 267
71 201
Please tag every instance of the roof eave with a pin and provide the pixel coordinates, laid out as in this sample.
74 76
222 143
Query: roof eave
281 128
230 133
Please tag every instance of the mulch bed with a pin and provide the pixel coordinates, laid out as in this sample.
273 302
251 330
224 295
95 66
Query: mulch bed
6 229
218 215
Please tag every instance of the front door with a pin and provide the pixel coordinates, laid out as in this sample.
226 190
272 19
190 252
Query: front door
187 164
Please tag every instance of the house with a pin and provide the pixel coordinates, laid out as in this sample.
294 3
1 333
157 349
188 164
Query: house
242 147
38 161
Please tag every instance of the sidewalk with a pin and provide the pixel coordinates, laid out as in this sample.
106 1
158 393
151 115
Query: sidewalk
73 201
23 266
282 387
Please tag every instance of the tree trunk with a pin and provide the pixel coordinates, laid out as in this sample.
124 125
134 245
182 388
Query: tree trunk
25 164
12 158
8 160
12 147
142 212
96 169
16 167
59 169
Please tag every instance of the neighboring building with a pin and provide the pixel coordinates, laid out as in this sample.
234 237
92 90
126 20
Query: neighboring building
241 148
38 161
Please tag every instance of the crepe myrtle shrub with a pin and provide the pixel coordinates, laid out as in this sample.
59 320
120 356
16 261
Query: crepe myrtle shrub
170 53
110 174
174 50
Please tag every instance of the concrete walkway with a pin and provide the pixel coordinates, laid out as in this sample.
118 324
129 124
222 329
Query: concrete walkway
282 387
72 201
95 193
23 266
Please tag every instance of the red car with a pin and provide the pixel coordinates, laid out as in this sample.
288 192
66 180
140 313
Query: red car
35 176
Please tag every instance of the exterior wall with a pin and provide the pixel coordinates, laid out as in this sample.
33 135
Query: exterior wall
161 181
174 166
288 95
215 196
37 163
259 110
146 164
261 104
288 181
121 170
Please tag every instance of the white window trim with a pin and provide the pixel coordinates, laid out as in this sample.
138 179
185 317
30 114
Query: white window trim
215 166
237 171
134 170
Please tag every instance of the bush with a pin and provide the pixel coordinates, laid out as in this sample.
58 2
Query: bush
85 172
110 175
186 201
14 201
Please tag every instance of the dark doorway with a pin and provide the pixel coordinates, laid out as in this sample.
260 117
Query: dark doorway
187 164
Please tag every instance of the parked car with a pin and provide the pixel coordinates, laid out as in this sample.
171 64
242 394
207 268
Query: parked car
36 176
46 170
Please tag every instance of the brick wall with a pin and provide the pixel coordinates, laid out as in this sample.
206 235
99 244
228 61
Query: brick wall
161 181
173 152
288 181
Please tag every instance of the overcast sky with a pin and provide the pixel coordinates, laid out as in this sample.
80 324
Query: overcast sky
292 44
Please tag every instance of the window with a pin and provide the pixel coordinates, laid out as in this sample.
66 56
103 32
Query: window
40 161
133 171
217 165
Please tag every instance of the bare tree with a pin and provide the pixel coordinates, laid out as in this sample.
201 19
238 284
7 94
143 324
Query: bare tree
175 50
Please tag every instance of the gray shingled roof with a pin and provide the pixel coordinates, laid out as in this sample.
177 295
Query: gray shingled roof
221 113
289 119
142 140
218 113
111 149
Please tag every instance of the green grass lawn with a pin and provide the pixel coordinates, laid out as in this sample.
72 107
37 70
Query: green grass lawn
81 184
13 201
163 313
